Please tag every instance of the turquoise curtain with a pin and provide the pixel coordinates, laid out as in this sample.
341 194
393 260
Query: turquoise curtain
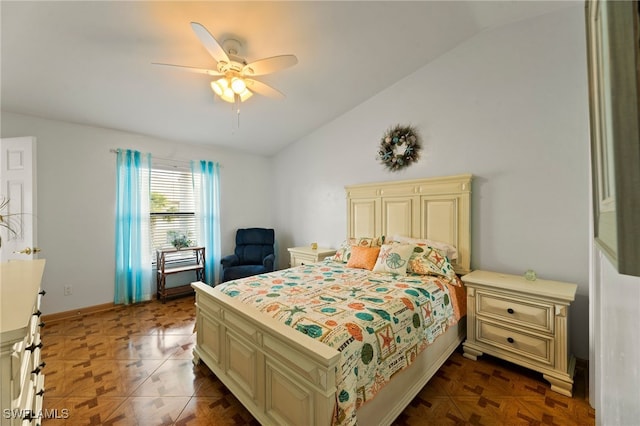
133 248
206 189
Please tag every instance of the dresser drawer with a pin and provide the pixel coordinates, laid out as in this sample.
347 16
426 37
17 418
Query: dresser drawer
33 330
536 348
530 314
38 304
39 393
25 365
39 400
19 362
25 401
35 364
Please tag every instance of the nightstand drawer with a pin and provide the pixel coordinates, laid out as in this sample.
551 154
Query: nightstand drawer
521 321
298 259
530 314
533 347
306 255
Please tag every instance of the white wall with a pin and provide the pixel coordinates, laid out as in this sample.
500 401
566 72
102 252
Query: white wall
76 201
509 106
615 377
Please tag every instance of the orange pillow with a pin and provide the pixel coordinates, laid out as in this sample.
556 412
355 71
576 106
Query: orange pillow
363 257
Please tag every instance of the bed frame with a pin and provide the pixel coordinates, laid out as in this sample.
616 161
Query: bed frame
284 378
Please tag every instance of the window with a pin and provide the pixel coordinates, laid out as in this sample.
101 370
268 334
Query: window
172 208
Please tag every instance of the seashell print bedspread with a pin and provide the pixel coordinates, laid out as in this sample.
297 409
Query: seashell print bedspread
378 322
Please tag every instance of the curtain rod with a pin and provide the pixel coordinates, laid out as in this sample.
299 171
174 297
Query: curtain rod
174 160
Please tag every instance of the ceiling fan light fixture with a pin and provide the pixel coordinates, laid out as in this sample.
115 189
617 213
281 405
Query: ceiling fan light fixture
238 85
246 94
227 89
218 86
221 88
228 94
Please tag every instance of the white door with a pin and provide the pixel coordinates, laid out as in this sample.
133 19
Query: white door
18 185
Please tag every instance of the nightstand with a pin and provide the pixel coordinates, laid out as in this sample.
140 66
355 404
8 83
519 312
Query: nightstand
306 255
524 322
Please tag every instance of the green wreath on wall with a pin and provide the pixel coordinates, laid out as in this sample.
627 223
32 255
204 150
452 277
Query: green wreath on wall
399 147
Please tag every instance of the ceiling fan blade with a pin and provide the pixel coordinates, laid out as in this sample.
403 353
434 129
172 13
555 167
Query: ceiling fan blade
191 69
269 65
263 89
210 43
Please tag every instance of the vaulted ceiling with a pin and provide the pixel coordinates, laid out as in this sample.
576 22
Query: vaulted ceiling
91 62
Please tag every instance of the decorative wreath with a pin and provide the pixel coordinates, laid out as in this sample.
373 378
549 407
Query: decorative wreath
399 147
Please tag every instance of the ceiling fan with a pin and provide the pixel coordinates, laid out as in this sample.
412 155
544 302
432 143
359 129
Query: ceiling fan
236 83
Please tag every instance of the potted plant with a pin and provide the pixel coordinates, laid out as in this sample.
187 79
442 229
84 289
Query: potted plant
6 219
178 239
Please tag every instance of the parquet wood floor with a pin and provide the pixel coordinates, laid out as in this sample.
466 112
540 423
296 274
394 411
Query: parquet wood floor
132 366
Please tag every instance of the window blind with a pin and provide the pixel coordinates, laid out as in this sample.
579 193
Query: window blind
172 208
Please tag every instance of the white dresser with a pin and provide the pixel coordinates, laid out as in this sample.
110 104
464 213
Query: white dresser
22 379
521 321
305 255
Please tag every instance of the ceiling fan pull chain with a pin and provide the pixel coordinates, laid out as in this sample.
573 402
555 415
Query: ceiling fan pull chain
235 108
238 100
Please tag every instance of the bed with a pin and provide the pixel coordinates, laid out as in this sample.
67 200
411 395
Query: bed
284 377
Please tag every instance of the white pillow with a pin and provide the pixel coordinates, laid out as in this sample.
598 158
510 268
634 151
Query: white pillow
448 249
394 258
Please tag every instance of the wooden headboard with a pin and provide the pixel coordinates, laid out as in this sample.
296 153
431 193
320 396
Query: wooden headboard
434 208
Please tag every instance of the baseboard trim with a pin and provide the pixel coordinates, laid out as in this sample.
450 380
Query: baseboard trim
74 313
60 316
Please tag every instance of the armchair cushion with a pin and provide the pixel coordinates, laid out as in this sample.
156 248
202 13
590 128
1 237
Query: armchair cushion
268 262
253 255
242 271
230 260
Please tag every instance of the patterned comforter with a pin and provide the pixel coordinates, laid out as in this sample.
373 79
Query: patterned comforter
378 322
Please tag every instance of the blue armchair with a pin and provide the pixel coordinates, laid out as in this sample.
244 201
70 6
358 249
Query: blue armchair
254 254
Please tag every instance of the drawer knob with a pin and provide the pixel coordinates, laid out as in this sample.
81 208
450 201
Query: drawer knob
42 324
37 313
40 392
510 310
33 347
39 368
510 339
42 292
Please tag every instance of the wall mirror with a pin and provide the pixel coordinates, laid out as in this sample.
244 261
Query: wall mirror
614 80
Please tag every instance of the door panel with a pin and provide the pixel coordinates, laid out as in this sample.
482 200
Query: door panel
364 216
439 219
399 216
18 185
